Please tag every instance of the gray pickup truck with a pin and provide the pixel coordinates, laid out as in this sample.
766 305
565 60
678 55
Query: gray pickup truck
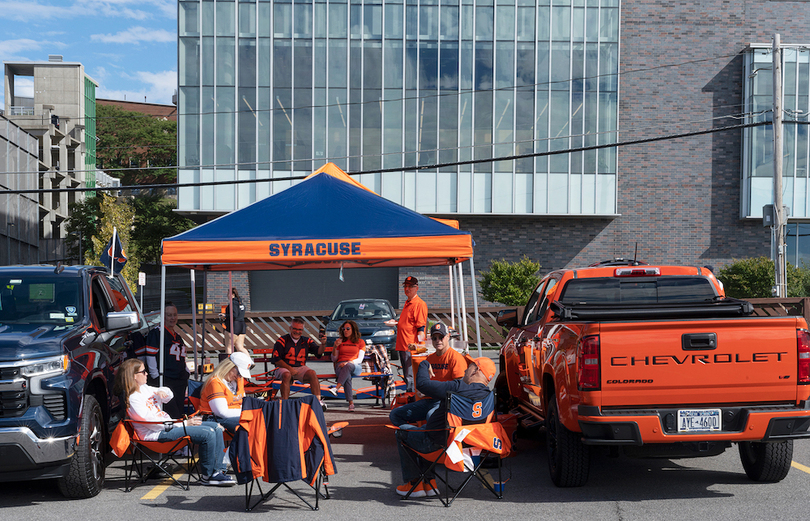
63 333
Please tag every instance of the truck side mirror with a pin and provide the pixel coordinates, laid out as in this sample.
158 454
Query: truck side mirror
507 318
121 320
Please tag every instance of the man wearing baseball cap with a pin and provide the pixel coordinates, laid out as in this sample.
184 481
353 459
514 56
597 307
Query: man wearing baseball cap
446 364
474 385
410 327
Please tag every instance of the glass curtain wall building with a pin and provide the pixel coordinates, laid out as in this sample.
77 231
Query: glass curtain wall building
273 89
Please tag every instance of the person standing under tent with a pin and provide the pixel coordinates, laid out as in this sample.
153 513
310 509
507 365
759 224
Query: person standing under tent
239 326
410 327
175 371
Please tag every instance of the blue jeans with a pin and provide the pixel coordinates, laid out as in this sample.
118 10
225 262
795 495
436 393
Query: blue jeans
208 438
344 378
417 411
419 440
229 424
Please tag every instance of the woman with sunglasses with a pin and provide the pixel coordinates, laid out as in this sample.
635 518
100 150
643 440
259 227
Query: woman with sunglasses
347 355
224 389
144 404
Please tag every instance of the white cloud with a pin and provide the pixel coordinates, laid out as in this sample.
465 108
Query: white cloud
9 49
24 87
158 88
28 10
136 35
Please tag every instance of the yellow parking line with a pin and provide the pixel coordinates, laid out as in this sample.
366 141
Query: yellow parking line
800 467
166 483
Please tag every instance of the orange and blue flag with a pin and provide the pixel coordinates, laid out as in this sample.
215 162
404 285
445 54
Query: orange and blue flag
114 255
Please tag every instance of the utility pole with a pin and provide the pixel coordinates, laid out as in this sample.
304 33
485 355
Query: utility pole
778 210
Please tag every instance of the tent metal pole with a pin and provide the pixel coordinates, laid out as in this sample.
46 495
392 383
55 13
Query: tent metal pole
459 282
475 305
462 300
452 300
205 300
162 321
194 319
230 307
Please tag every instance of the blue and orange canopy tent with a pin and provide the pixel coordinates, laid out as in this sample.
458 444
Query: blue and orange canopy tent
325 221
328 220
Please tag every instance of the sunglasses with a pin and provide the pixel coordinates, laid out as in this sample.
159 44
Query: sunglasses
145 371
347 328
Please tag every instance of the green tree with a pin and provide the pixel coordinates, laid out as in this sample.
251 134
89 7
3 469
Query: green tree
510 283
754 278
155 219
133 140
116 214
82 223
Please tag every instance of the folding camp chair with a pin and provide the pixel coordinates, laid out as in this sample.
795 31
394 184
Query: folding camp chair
469 425
160 454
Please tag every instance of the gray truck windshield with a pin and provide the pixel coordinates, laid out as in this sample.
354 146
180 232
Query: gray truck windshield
40 300
647 290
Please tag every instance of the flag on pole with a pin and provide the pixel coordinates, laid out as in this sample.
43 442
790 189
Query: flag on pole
114 255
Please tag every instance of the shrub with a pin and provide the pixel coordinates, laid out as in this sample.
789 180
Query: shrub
509 283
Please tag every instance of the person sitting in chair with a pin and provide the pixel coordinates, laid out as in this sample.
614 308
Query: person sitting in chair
432 436
290 357
224 389
144 404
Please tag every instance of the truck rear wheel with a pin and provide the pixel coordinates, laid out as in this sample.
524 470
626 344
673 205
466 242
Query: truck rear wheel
86 475
568 458
767 462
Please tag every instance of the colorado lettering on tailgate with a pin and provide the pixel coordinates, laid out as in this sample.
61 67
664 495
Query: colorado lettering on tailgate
313 249
718 358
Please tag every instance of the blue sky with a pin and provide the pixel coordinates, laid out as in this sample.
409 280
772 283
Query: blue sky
128 46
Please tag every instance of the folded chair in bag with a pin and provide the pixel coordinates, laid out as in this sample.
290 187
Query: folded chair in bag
125 443
469 425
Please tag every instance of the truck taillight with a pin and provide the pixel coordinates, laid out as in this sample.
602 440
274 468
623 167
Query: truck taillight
803 344
588 373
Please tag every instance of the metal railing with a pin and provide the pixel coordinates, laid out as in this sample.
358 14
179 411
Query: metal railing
21 111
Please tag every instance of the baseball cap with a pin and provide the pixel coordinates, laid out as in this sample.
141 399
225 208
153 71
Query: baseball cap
412 281
243 363
486 366
438 329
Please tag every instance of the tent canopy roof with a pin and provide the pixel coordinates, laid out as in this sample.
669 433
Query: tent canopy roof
328 220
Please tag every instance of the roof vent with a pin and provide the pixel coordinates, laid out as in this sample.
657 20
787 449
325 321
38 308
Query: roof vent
54 57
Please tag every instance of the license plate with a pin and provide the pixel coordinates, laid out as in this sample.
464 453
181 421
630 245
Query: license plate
698 420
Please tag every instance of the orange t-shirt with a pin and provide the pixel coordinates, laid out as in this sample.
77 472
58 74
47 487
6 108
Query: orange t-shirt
413 316
448 367
349 350
215 388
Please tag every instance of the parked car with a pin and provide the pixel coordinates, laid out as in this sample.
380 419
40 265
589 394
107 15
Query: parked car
371 315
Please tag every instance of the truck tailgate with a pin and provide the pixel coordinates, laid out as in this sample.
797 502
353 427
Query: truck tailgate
694 362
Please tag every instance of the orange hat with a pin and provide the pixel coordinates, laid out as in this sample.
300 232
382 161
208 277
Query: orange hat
486 366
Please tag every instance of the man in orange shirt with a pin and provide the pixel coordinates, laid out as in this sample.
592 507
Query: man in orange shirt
446 364
410 328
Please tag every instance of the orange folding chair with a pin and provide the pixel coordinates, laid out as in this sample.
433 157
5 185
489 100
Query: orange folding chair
469 425
126 443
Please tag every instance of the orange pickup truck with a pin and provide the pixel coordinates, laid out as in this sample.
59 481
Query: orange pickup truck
654 360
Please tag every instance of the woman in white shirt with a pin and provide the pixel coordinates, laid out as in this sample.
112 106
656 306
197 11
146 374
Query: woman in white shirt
144 404
224 390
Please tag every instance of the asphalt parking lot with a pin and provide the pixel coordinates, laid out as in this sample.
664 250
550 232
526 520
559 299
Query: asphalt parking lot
368 470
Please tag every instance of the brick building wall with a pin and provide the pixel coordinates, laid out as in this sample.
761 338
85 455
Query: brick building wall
218 288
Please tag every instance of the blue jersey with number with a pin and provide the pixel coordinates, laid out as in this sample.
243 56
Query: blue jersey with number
174 352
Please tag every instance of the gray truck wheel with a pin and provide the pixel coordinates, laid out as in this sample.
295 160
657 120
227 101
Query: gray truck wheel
767 462
568 458
86 475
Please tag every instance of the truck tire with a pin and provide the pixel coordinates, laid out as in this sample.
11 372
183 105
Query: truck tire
503 400
766 462
568 458
86 475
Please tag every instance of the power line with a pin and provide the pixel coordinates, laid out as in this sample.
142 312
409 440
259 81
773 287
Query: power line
400 169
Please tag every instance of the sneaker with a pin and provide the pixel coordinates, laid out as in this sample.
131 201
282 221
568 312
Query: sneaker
403 490
323 404
430 488
218 479
351 407
333 390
